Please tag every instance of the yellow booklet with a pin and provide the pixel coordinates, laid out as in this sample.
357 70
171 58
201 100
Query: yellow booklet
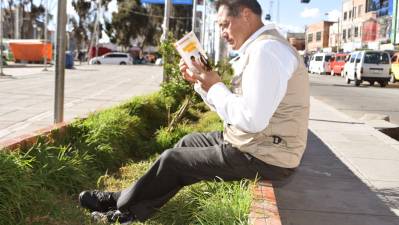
191 50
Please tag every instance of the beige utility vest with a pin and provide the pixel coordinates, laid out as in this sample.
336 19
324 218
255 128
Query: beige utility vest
283 141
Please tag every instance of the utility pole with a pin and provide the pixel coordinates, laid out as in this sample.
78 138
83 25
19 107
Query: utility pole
45 36
203 24
1 39
194 15
165 24
16 24
164 37
97 22
60 63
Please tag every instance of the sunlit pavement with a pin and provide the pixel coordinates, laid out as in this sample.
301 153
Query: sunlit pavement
27 95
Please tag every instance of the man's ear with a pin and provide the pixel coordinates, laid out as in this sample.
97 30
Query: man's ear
246 13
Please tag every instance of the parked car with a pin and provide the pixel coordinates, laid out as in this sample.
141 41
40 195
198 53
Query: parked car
395 68
319 63
337 63
116 58
368 65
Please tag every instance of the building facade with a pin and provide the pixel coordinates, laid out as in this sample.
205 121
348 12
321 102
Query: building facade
379 26
334 41
297 40
317 36
354 14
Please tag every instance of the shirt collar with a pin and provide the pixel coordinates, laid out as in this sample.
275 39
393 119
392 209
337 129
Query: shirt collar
264 28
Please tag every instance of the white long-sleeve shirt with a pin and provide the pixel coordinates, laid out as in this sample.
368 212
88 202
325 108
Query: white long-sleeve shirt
264 84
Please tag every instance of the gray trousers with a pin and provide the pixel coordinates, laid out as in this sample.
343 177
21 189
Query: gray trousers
196 157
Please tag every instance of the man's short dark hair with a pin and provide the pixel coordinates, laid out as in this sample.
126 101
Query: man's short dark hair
235 6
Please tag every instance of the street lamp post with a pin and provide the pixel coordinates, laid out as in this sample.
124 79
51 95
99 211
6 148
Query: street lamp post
60 63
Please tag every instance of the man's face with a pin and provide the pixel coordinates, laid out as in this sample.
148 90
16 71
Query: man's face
232 28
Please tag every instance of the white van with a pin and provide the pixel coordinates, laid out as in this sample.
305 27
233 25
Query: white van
368 65
319 63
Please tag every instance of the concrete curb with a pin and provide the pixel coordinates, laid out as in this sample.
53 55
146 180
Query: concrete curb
29 139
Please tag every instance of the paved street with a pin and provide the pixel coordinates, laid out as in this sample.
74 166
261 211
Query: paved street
27 99
356 101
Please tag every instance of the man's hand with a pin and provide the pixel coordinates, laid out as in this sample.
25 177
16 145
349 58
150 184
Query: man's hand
206 78
187 74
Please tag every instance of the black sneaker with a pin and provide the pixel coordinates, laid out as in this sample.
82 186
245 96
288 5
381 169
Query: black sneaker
113 216
97 200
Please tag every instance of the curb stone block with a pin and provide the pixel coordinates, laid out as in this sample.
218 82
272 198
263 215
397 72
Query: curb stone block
264 209
27 140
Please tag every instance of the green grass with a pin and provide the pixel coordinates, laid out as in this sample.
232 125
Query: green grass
209 203
39 184
108 151
205 203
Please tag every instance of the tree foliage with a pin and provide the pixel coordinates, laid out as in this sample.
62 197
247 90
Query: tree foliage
83 24
31 12
128 23
144 22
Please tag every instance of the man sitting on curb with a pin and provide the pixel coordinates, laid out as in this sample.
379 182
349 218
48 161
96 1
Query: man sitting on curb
265 121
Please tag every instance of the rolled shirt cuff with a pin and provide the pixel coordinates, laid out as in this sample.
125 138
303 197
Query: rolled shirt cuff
217 95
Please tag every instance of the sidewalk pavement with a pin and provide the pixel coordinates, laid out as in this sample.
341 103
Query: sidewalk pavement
27 98
349 174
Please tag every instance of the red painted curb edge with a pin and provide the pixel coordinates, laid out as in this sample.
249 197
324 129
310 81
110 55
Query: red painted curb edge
29 139
264 209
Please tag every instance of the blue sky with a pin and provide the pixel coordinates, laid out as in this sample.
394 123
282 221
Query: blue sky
295 15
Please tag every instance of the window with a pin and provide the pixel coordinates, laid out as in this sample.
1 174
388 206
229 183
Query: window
353 56
356 32
350 14
310 38
349 33
344 34
319 58
345 15
376 58
354 12
120 56
358 58
394 58
359 10
318 36
327 58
